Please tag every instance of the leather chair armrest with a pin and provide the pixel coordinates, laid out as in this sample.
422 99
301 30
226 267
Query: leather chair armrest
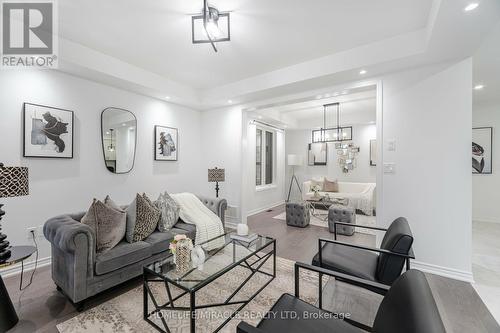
216 205
244 327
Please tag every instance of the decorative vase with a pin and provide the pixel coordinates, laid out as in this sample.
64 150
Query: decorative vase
198 257
183 255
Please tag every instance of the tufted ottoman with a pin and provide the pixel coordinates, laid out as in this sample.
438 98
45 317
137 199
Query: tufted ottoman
297 214
345 214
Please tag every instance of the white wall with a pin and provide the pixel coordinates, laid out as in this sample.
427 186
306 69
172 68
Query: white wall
428 112
297 141
221 147
68 185
486 188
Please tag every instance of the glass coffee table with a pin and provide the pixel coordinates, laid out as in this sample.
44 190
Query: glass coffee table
251 256
323 204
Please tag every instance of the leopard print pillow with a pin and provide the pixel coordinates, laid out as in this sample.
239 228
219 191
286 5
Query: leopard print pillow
146 218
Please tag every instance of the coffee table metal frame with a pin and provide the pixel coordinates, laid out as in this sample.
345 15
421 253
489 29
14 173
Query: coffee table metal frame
150 276
325 203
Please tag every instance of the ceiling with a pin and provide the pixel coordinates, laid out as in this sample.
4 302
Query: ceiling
357 106
266 35
278 47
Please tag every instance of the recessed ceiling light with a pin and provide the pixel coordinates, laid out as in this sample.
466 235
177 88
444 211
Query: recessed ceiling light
167 97
230 101
124 124
479 87
260 117
362 72
471 6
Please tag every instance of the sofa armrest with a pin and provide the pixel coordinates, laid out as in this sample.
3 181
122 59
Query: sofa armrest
62 232
306 189
73 255
216 205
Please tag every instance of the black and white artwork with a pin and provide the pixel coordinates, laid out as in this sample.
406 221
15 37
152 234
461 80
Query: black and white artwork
48 131
482 150
166 143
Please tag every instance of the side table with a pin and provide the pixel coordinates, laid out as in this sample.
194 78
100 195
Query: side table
8 315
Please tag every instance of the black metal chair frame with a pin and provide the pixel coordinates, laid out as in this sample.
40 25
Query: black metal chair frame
407 257
245 327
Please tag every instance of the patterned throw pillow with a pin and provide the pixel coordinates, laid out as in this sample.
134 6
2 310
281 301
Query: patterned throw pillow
146 218
108 222
169 212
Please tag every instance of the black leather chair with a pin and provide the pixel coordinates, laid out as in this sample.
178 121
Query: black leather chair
382 265
407 307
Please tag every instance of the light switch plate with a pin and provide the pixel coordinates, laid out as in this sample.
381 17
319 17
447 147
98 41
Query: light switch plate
389 168
391 145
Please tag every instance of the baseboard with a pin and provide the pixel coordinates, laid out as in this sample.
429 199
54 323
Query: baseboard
16 269
451 273
485 220
263 209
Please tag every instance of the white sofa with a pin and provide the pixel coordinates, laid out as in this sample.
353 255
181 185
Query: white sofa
361 195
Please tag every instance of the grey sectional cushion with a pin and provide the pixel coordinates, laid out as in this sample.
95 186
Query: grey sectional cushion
108 222
169 212
189 228
161 240
131 219
122 255
348 260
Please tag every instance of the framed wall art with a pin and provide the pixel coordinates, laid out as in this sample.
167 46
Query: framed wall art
482 142
47 131
166 143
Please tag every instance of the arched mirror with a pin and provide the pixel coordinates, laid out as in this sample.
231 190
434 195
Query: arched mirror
119 135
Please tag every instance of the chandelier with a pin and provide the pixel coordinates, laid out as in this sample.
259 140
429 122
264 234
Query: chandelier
332 134
211 26
347 153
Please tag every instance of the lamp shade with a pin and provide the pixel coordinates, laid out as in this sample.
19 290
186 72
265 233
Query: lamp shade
216 175
13 181
295 160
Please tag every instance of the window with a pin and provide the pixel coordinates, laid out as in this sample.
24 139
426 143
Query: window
264 157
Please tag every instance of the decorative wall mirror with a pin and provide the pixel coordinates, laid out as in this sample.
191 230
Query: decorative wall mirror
317 154
119 136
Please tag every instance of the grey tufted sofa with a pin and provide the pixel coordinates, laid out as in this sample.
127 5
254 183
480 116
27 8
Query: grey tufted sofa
81 273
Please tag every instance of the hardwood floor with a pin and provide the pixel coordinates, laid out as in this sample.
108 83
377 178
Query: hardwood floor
460 307
41 307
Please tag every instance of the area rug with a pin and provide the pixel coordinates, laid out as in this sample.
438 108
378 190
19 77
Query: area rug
361 219
125 312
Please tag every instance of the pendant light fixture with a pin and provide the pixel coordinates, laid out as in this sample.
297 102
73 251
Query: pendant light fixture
111 148
332 134
211 26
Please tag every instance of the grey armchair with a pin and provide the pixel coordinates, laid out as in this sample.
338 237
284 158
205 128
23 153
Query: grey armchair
408 307
80 273
382 265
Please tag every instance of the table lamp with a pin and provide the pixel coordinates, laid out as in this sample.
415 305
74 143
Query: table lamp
293 161
216 175
13 183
